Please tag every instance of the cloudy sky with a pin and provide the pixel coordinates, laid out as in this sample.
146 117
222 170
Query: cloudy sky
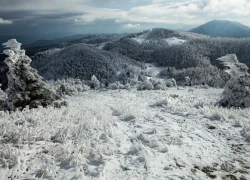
96 16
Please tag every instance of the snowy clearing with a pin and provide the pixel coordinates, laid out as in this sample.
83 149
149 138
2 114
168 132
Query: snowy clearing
140 40
171 41
175 41
121 134
101 45
153 70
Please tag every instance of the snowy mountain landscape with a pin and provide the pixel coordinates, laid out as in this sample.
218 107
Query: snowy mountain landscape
116 128
128 134
108 90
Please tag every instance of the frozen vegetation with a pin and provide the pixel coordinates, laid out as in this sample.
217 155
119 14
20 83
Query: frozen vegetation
178 133
80 61
122 119
121 134
25 86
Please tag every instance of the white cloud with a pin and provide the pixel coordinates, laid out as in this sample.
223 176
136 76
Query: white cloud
2 21
131 26
153 11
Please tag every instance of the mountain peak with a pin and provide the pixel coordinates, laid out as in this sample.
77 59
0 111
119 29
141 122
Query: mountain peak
223 28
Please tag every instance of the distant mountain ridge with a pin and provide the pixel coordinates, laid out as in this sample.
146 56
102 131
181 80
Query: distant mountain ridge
41 43
223 28
74 39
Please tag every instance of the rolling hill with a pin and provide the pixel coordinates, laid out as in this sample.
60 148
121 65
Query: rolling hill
80 61
223 28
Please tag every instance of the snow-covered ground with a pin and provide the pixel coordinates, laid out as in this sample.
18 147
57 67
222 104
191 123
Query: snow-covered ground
101 45
128 134
175 41
140 40
153 70
171 41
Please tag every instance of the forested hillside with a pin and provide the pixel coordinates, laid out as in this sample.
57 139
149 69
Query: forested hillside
80 61
181 50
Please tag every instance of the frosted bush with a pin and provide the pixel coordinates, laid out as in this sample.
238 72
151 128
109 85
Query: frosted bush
118 85
129 75
145 85
114 86
160 86
210 75
68 86
142 77
69 90
169 84
173 81
95 83
25 86
237 93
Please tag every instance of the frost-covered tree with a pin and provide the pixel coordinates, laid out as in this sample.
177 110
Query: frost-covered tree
237 90
25 86
2 98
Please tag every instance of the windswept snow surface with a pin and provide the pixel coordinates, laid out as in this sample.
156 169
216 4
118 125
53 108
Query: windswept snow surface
128 134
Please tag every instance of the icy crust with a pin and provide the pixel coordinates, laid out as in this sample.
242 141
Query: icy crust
25 86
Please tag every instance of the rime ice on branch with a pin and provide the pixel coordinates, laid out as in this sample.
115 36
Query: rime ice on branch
237 90
25 86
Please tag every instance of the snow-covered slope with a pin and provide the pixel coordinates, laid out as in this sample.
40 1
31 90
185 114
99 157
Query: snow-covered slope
121 134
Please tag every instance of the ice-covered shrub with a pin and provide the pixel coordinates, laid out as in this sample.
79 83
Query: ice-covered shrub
95 83
160 85
129 75
237 93
25 86
145 85
173 82
115 85
155 84
209 75
68 86
237 90
142 77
